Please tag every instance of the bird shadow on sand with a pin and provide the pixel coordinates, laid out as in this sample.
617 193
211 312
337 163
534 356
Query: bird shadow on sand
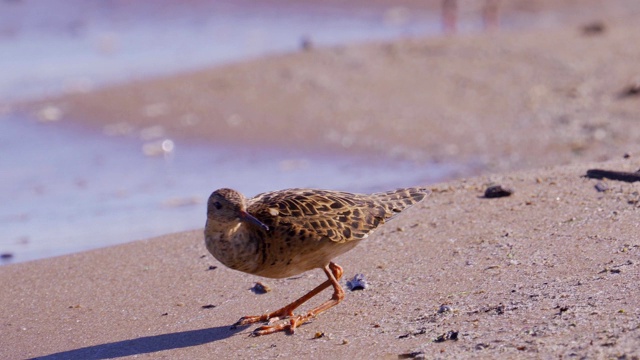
147 344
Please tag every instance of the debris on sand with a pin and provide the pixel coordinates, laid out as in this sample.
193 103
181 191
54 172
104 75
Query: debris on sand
450 335
631 90
357 283
594 28
260 288
613 175
497 191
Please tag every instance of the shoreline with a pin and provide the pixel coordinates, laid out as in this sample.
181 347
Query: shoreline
329 98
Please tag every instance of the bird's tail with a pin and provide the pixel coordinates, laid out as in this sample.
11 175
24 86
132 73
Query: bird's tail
395 201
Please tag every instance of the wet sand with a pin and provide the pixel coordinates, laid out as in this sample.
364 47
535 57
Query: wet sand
550 271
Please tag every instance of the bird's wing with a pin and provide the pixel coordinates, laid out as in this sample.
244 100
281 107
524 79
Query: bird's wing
338 216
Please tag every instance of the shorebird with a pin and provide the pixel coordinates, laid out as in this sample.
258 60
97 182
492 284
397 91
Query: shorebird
284 233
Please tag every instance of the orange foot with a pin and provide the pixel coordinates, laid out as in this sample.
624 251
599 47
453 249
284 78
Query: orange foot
285 312
289 327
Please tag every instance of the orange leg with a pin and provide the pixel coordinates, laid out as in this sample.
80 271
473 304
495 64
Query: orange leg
333 272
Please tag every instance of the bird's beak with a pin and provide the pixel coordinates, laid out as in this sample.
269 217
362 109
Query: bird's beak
248 217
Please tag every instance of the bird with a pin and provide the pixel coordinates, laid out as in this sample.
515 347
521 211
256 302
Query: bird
284 233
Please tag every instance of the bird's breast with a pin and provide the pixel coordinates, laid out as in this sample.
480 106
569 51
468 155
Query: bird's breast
234 246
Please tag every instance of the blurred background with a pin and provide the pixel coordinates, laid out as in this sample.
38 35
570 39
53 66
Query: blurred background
68 186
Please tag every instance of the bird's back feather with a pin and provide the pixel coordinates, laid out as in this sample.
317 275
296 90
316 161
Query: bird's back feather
338 216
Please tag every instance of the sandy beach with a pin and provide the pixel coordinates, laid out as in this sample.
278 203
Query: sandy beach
548 272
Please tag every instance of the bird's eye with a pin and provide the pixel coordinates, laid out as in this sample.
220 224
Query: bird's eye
217 205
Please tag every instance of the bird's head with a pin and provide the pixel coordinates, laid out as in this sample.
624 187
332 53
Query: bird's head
230 206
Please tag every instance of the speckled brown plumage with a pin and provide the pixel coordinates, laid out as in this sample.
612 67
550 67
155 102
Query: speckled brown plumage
284 233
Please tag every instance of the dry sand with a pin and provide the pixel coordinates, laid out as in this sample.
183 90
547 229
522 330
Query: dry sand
551 271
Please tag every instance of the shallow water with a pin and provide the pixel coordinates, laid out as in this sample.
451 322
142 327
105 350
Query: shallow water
76 45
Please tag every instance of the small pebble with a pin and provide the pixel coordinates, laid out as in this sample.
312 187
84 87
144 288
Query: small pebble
631 90
497 191
601 187
449 335
261 288
594 28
